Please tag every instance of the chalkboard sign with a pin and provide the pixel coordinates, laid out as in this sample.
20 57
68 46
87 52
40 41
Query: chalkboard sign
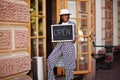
61 33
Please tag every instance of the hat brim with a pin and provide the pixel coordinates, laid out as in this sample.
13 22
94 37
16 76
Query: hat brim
65 13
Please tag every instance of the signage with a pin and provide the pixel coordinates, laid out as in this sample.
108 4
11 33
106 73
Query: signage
61 33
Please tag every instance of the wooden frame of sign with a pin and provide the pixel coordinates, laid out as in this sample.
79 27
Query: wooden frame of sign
61 33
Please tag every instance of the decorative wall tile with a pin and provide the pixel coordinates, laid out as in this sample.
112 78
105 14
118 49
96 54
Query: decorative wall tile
118 17
14 63
20 77
119 9
103 34
107 3
118 24
103 13
103 24
107 34
118 2
103 3
108 42
21 39
5 39
92 21
83 6
84 48
84 22
107 22
119 31
14 11
92 7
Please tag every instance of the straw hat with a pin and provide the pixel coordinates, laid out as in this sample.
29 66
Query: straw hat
64 11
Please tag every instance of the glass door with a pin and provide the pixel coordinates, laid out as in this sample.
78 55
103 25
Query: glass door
81 15
38 28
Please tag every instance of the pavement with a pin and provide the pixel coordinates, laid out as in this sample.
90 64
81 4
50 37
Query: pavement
112 74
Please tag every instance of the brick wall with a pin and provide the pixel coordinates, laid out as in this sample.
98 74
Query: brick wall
14 11
119 22
5 39
13 63
107 22
14 40
54 12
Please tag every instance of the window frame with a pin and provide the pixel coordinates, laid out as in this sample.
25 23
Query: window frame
65 5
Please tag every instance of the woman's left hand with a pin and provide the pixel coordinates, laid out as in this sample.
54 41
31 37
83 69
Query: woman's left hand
73 41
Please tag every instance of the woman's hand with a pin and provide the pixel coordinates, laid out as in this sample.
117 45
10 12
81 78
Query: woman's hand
74 41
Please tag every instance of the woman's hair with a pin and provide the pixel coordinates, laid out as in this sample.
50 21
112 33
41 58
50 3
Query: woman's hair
61 20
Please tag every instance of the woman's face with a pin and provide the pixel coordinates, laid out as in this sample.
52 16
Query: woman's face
65 17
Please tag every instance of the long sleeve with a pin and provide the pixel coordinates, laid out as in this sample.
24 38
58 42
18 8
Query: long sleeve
75 31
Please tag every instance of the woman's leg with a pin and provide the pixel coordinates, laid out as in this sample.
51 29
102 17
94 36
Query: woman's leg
52 59
50 72
69 74
69 59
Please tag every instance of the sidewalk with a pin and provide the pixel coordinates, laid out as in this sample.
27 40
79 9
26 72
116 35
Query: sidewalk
112 74
76 77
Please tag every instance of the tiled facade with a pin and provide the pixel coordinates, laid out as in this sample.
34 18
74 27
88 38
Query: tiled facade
14 11
21 38
13 37
54 12
14 41
107 22
118 21
5 39
14 63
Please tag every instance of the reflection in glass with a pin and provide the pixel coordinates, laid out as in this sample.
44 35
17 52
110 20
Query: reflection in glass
81 38
84 23
85 31
83 6
84 16
40 8
83 47
41 52
40 27
84 62
33 47
33 26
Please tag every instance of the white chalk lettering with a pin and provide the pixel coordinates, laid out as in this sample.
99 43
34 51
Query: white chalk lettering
62 32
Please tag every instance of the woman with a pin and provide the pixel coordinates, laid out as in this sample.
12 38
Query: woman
65 49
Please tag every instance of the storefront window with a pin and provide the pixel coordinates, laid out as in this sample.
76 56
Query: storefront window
32 7
81 15
33 47
38 28
41 48
33 26
40 7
